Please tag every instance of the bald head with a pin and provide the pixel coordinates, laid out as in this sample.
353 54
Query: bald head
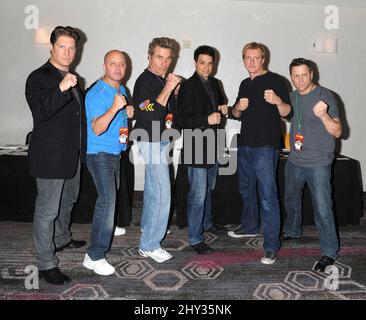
114 66
113 53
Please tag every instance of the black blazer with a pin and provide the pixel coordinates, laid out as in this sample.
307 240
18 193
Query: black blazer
59 125
193 108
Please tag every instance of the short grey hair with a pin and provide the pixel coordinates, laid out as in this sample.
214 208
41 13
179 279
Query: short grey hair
163 42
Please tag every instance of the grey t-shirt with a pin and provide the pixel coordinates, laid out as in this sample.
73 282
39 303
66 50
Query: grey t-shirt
318 145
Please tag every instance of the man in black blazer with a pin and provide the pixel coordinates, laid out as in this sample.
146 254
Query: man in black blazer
57 107
200 105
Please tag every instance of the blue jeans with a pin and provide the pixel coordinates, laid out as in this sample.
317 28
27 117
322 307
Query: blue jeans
318 181
199 206
157 194
257 165
105 170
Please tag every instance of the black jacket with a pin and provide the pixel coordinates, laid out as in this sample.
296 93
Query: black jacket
193 108
59 126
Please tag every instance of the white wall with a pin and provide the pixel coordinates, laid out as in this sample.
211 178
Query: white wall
287 29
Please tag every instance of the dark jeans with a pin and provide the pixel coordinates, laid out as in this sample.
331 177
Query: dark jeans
52 217
257 166
199 201
105 170
318 181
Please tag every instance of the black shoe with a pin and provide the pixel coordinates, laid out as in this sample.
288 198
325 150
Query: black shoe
216 229
202 248
54 276
285 237
73 244
323 263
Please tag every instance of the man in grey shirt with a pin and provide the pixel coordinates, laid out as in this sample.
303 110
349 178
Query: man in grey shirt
314 126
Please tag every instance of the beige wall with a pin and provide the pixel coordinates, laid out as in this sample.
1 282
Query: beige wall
287 29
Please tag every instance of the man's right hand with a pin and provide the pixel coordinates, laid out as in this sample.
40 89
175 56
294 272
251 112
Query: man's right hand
242 104
214 118
68 82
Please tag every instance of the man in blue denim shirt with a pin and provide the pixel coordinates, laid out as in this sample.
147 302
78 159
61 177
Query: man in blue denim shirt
106 114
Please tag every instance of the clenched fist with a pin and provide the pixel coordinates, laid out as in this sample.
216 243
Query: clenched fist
214 118
68 82
320 109
172 81
119 102
271 97
242 104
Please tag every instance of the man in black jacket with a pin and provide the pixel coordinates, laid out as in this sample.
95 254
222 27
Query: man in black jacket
57 107
200 104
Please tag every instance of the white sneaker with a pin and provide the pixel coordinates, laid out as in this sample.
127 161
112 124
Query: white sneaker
269 257
101 266
238 232
119 231
159 255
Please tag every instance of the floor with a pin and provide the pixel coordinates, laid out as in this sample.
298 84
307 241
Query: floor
232 272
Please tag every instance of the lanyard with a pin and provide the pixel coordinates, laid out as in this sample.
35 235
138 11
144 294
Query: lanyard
299 113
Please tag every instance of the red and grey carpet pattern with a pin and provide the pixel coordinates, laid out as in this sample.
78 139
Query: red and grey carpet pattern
232 272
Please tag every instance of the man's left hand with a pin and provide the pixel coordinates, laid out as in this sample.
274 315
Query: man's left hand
320 109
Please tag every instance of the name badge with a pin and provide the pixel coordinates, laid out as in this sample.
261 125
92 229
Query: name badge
169 120
123 135
299 141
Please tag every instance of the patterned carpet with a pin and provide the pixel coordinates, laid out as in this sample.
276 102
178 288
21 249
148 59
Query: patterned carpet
233 272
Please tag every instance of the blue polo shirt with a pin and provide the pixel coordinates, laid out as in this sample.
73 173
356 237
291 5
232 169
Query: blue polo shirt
98 101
